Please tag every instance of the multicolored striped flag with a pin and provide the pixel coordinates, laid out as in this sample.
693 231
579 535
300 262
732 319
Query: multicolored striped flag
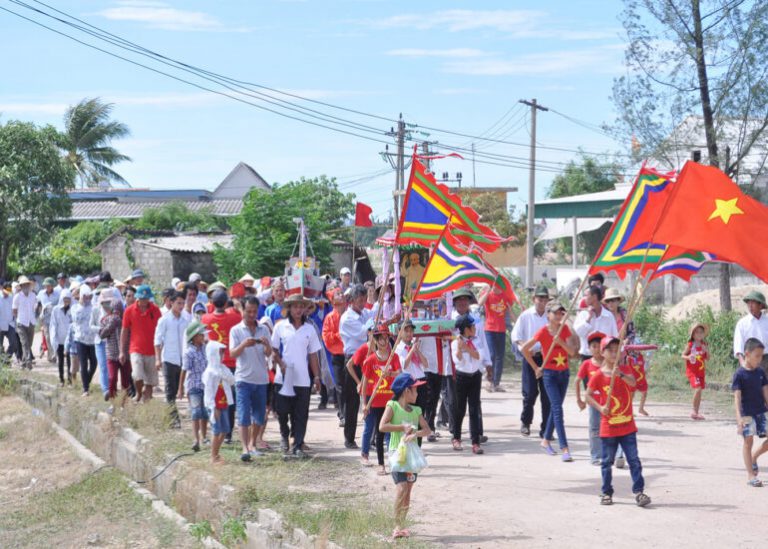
429 206
452 266
644 203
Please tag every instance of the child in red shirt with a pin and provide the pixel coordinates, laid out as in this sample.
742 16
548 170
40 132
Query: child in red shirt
373 410
610 392
695 356
588 369
554 373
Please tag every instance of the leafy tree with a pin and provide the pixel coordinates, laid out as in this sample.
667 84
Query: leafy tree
71 250
494 213
586 176
176 216
265 232
33 187
696 57
88 133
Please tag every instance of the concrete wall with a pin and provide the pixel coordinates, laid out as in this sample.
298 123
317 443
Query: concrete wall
113 258
156 263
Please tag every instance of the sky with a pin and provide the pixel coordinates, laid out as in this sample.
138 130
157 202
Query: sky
458 67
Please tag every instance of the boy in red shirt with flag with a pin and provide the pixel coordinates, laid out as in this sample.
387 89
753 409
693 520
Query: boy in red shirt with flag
610 392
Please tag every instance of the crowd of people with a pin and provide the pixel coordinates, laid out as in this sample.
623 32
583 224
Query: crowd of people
244 353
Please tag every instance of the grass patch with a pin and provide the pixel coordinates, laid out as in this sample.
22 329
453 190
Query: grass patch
9 379
104 496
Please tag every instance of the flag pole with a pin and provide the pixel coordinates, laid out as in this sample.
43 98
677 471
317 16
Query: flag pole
577 296
354 250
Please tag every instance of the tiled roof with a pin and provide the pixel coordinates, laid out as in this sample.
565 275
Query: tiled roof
106 209
188 243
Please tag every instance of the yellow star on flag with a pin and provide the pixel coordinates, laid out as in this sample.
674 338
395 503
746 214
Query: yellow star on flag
724 209
560 360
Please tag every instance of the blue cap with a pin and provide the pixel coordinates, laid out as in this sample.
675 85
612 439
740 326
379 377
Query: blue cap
144 292
138 273
464 321
198 307
403 381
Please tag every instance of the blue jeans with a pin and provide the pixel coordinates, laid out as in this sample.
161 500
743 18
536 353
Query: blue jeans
497 344
556 385
595 446
251 403
629 444
101 358
372 421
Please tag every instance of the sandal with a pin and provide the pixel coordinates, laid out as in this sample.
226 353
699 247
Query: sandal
397 533
755 483
549 450
606 499
476 449
365 461
382 472
457 445
642 500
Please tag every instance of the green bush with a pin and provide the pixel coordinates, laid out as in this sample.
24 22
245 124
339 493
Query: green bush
667 367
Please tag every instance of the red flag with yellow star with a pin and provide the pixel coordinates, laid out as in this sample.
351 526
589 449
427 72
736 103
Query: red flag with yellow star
707 211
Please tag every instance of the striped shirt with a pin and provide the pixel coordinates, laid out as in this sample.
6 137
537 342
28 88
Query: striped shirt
194 363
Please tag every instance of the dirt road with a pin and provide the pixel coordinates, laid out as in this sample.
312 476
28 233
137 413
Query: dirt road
517 495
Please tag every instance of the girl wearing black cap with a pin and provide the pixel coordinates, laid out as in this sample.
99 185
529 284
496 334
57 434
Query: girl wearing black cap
402 419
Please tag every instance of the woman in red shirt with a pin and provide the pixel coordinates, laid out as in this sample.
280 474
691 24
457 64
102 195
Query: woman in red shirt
555 373
373 369
496 311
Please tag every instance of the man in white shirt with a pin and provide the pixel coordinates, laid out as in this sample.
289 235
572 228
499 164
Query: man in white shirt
528 323
6 317
295 345
24 306
249 344
169 348
595 318
754 324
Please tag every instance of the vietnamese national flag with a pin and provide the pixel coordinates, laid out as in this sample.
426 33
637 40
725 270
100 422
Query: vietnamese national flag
363 215
707 211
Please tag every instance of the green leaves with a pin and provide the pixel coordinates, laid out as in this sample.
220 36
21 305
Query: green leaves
265 233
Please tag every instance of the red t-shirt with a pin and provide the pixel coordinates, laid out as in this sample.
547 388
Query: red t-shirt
142 325
219 326
699 352
495 313
372 368
360 355
558 360
587 370
635 363
619 421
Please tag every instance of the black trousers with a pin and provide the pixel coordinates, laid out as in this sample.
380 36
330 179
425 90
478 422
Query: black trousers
88 364
293 414
172 376
60 357
351 406
339 375
468 393
448 405
531 389
434 382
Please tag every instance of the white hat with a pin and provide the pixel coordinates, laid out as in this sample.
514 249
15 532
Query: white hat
195 277
175 281
345 271
85 290
65 294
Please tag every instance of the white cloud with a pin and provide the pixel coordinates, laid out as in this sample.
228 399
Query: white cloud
457 53
548 63
459 91
9 106
515 23
160 15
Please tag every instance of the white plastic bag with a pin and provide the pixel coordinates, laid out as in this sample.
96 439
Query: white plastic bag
407 458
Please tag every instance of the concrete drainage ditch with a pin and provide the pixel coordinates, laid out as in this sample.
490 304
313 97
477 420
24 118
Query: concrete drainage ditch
194 494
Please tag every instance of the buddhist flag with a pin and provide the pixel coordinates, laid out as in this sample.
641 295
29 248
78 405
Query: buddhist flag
708 211
452 266
429 206
363 215
637 218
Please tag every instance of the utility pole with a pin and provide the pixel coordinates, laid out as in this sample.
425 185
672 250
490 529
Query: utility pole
531 192
473 165
400 163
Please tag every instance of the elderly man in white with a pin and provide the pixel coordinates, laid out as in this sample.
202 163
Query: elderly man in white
595 318
754 324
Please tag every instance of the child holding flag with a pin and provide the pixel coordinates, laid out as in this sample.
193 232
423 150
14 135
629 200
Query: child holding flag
695 357
610 392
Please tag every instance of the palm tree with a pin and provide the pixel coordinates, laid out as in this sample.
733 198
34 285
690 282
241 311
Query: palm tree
88 133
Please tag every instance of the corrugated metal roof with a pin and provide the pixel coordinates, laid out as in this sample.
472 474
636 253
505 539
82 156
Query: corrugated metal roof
106 209
188 243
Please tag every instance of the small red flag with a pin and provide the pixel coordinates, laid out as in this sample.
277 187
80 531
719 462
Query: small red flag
363 215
